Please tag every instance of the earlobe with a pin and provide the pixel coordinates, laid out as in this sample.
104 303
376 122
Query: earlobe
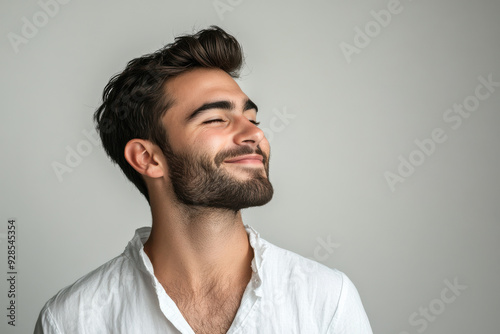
143 157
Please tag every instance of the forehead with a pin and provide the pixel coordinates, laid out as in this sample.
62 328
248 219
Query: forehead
189 90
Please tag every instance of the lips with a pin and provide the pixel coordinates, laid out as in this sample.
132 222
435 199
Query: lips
246 158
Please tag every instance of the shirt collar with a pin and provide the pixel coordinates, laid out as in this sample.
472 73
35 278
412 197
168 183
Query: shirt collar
135 251
259 249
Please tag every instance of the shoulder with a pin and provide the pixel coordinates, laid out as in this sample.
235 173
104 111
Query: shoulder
87 296
325 294
313 288
279 263
350 316
285 262
105 277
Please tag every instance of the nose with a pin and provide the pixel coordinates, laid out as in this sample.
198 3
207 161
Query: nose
247 133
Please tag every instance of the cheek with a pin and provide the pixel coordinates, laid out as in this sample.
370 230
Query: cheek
208 142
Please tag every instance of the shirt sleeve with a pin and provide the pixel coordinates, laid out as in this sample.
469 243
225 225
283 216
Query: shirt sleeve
45 323
350 316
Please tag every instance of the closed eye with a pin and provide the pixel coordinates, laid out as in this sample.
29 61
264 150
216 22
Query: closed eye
213 120
221 120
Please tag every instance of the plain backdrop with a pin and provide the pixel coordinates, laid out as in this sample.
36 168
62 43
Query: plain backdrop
349 99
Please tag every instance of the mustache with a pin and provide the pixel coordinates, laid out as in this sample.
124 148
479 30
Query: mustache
236 152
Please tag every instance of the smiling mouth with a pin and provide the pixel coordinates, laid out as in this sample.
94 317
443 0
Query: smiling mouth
246 162
253 159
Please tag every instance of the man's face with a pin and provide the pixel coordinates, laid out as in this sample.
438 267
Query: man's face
216 154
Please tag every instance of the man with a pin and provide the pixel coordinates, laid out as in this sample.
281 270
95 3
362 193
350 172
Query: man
184 133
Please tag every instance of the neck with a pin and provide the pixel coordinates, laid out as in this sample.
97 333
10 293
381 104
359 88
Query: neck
198 248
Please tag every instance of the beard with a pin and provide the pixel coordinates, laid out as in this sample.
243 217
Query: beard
199 180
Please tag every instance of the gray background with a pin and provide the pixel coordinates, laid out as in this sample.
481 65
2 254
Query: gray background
352 120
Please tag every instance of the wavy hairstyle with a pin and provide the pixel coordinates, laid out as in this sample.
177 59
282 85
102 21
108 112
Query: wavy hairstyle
135 100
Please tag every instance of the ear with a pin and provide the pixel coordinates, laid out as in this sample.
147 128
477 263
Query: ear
144 157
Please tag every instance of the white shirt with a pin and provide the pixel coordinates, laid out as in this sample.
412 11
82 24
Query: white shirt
286 294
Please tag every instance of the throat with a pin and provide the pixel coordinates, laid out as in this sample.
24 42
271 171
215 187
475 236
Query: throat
209 287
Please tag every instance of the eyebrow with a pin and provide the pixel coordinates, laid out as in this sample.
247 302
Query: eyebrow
225 105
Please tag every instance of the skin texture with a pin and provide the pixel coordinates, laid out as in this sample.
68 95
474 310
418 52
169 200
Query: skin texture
201 254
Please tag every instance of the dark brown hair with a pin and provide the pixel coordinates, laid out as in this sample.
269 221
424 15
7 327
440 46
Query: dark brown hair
135 100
